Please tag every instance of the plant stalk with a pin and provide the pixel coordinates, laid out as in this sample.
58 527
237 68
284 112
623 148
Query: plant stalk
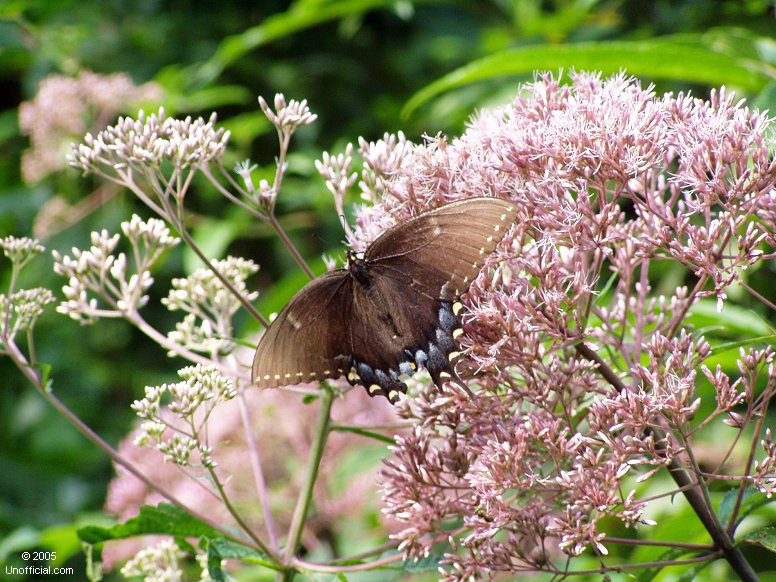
306 493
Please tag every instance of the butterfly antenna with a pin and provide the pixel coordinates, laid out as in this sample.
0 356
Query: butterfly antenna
345 225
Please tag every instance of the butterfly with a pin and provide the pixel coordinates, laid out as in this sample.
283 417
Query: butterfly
389 311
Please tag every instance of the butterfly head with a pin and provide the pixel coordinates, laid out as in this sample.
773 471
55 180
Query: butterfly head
358 267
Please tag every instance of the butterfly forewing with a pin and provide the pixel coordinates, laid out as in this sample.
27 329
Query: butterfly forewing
444 250
308 340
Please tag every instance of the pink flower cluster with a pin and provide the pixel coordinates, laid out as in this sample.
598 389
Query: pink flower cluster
63 109
586 367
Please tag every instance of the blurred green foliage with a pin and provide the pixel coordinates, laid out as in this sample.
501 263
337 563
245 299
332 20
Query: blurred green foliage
366 67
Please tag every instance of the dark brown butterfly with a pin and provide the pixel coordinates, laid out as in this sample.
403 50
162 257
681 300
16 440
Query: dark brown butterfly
391 311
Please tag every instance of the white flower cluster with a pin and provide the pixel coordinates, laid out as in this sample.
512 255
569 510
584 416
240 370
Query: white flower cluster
99 272
201 389
266 194
765 469
152 233
178 449
287 118
200 384
381 160
25 308
150 140
157 563
336 170
161 563
20 249
209 305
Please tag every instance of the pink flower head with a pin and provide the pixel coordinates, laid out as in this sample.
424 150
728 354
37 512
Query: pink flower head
586 379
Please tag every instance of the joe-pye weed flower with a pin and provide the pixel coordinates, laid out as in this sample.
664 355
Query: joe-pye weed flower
590 373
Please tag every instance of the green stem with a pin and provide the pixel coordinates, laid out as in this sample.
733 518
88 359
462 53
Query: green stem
711 522
175 216
231 197
290 245
761 419
236 515
306 493
7 336
284 137
228 284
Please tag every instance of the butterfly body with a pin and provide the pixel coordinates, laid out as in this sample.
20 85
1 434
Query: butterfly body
390 311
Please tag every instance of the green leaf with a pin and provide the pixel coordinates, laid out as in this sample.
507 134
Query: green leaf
428 564
735 320
93 562
45 376
764 537
752 499
730 346
220 548
766 100
162 519
691 573
683 57
365 433
63 540
208 98
228 549
309 398
652 572
21 539
675 521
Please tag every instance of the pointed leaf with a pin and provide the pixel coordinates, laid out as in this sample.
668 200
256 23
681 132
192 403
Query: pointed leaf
648 574
221 549
764 537
685 57
162 519
751 500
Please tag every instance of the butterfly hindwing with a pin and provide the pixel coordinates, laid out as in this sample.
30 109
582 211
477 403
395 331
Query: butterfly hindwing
308 340
391 322
393 338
